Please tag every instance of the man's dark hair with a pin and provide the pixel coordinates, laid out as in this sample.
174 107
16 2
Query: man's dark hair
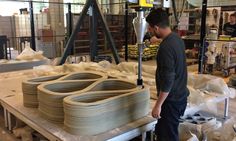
158 17
233 15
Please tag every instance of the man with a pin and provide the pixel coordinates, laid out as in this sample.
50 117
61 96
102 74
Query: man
230 27
171 77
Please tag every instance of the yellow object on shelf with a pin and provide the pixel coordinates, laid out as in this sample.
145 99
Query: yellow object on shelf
233 39
224 37
142 3
148 53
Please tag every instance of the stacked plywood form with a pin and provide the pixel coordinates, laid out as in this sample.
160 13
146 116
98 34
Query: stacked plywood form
88 102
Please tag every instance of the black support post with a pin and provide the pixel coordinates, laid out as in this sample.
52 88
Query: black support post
126 30
98 12
70 26
70 42
202 37
107 32
93 33
33 46
3 47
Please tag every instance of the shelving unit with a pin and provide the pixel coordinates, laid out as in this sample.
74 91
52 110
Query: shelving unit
116 26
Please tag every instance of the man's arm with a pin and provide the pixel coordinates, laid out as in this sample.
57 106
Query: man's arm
162 97
166 68
167 77
157 108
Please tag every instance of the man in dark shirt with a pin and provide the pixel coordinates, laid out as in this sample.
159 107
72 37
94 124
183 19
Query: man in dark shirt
171 77
230 27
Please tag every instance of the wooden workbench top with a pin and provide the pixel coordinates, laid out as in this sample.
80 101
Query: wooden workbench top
53 131
11 98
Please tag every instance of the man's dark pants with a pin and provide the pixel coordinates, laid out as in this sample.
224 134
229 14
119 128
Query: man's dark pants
167 126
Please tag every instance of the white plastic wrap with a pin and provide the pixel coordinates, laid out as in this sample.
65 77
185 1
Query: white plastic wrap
193 138
151 70
202 86
129 71
210 84
2 61
130 67
225 133
196 97
74 67
186 134
29 54
189 130
198 84
45 70
105 64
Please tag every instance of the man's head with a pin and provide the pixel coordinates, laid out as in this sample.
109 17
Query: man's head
232 18
158 21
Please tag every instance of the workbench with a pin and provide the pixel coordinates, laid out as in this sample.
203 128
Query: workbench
11 98
13 105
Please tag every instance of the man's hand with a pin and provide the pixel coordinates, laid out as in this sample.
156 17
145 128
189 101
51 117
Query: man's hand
156 111
154 40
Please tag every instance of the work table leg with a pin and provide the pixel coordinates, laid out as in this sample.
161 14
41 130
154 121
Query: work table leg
9 121
226 110
144 135
5 117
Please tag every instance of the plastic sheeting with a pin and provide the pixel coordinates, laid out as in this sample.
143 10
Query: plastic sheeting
3 61
193 138
209 84
29 54
199 85
225 133
196 97
191 132
45 70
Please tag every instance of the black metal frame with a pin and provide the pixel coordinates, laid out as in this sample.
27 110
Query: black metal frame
93 21
70 25
96 9
3 47
33 46
202 37
126 30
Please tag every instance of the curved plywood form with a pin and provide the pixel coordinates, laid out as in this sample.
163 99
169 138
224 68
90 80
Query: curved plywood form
29 88
108 104
51 94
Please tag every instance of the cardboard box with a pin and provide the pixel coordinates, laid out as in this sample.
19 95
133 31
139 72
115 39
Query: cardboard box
45 35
